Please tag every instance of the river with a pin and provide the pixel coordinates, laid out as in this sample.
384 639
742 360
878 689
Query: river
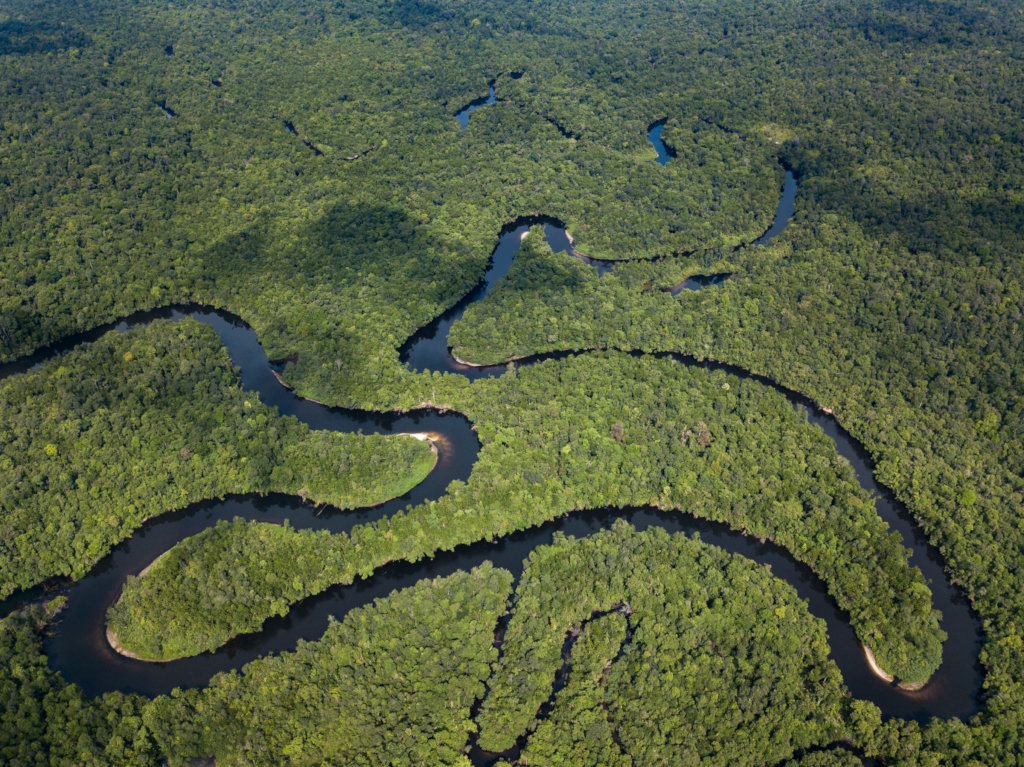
79 650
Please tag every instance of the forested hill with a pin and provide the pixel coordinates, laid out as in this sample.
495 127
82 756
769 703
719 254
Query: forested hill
300 164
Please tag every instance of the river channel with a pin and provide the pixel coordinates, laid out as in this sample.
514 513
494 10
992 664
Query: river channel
79 650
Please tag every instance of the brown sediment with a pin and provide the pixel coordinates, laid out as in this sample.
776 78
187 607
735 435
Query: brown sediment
426 405
434 439
281 381
875 668
500 364
880 672
912 686
149 567
473 364
112 637
116 646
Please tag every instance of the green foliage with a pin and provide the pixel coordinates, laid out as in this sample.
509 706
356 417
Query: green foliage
246 572
894 298
392 683
829 757
723 664
578 730
132 209
350 471
55 605
121 430
551 444
45 721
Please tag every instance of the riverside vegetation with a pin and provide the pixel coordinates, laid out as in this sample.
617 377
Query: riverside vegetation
716 666
133 425
560 436
399 680
392 682
894 300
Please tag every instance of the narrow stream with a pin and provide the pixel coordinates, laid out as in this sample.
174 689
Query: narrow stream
698 281
783 212
162 105
654 136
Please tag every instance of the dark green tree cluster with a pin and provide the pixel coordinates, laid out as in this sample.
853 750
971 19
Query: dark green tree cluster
144 159
578 729
563 436
827 757
894 299
422 657
717 670
246 572
121 430
44 721
115 206
392 683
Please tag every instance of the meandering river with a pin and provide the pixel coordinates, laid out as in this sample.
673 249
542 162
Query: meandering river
79 650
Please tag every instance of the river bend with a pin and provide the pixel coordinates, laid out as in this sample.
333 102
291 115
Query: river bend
79 650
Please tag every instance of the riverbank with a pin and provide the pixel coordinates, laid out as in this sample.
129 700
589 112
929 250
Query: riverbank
321 417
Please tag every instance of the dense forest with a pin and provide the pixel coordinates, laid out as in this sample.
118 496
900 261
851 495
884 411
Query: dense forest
300 165
393 682
561 436
136 424
437 640
729 664
718 654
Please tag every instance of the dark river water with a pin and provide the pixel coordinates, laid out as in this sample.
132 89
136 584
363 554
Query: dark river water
463 114
654 136
79 650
